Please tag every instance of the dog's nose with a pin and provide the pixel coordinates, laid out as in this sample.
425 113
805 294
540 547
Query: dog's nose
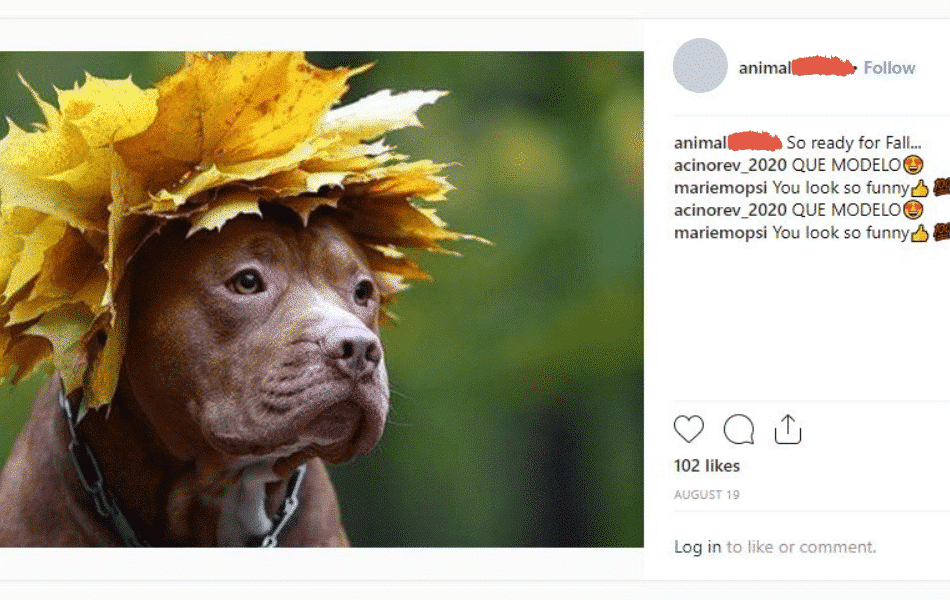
355 352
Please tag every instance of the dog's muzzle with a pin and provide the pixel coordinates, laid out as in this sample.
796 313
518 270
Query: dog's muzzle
354 423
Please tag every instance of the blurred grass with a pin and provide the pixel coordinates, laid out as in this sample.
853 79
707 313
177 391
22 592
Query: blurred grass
517 374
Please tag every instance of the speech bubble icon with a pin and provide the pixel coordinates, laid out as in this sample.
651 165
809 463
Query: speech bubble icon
739 429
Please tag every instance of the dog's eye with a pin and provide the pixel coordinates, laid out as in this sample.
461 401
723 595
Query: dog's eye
248 281
363 292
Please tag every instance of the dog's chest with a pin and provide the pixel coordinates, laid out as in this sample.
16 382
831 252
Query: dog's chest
243 512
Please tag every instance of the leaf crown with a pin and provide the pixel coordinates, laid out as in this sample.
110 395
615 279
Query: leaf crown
81 193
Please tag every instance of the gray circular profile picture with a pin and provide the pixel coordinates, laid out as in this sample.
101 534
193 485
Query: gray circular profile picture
700 65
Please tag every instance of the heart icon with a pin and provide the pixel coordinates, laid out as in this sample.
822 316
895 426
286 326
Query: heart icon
688 428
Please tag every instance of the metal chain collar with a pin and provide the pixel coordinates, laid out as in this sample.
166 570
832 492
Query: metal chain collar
90 477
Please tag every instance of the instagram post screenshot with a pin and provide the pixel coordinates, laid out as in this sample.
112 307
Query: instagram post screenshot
606 302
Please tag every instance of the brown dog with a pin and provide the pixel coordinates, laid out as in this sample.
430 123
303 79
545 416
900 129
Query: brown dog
250 352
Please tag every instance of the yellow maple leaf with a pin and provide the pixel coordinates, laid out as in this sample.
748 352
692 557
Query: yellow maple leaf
64 327
222 112
224 208
63 168
65 272
102 377
22 354
46 235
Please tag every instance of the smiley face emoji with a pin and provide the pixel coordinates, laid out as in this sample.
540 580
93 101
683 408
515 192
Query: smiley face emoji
913 209
913 164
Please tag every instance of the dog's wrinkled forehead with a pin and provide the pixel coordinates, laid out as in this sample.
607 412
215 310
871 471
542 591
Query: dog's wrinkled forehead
323 249
323 246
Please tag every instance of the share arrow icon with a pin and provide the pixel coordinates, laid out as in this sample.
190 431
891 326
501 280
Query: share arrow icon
790 435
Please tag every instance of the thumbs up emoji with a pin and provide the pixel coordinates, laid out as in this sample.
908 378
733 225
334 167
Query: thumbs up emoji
920 191
920 235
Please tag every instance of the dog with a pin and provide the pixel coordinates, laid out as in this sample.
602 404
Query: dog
253 352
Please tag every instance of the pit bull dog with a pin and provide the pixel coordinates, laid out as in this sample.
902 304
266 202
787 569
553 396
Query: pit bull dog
251 352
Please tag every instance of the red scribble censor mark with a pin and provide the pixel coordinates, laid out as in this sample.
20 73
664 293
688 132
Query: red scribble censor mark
754 140
822 65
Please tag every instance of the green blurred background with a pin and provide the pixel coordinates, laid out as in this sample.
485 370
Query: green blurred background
517 375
